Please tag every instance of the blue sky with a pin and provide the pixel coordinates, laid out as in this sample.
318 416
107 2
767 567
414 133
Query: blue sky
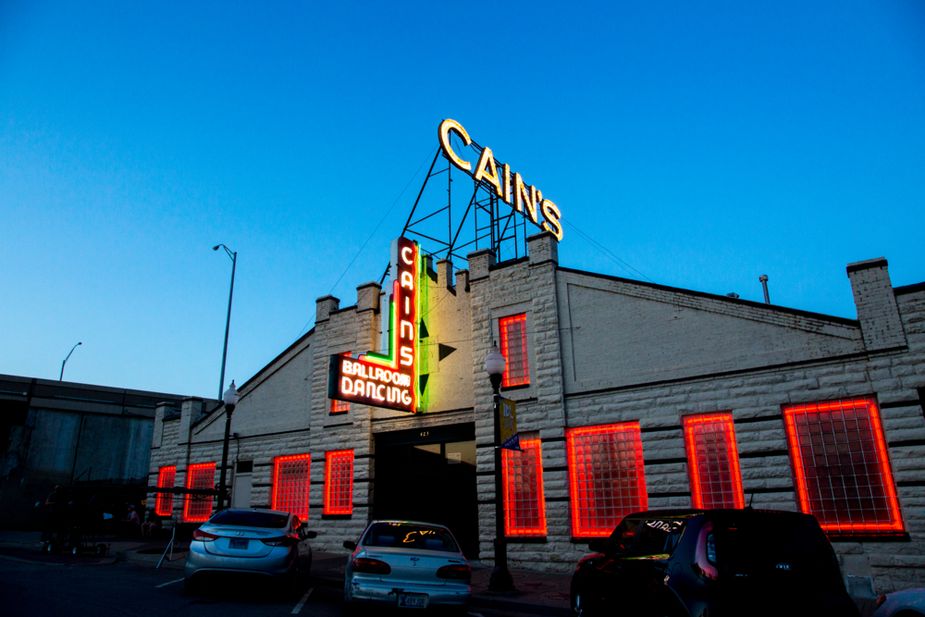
701 143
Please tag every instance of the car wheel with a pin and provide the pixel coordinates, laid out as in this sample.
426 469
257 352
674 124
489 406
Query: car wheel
189 586
581 605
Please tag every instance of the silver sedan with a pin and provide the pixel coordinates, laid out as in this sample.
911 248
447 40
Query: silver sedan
261 542
407 564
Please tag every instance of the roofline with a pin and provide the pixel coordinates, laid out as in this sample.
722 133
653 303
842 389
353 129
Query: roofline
703 294
908 289
277 358
87 386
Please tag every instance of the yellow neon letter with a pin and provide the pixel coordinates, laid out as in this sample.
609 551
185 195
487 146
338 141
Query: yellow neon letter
552 215
487 170
444 133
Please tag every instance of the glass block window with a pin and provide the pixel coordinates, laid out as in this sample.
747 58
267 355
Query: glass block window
606 476
338 482
339 406
841 467
713 461
513 331
163 502
291 476
198 507
524 505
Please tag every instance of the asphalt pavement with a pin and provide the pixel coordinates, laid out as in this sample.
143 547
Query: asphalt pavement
536 592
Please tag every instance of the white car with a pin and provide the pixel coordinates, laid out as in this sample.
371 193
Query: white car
249 541
406 564
905 603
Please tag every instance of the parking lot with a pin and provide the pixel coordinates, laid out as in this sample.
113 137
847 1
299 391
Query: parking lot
127 584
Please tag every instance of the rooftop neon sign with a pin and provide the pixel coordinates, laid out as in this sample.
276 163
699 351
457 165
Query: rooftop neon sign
387 380
511 188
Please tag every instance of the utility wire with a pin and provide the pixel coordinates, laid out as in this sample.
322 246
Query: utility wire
370 237
607 252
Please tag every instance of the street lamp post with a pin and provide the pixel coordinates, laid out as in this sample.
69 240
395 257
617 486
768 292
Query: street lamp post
230 398
233 255
61 376
501 579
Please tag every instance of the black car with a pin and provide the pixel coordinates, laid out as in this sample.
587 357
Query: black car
695 563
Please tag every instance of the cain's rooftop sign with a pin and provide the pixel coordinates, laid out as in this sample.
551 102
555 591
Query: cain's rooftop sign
511 188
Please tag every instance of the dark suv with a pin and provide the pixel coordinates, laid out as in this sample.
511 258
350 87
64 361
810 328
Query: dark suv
712 562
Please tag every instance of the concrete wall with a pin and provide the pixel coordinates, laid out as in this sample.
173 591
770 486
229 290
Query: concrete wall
87 437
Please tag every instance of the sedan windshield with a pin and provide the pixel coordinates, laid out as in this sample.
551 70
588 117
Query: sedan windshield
408 535
246 518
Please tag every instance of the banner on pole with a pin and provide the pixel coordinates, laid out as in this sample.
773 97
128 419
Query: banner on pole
510 439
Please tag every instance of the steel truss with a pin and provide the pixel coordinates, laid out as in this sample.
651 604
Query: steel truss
447 227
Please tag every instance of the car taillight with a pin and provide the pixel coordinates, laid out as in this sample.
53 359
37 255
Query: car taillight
370 566
204 536
458 572
289 540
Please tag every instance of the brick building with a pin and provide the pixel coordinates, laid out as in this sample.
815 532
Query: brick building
630 395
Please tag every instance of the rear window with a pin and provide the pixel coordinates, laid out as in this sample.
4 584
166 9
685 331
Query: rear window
250 519
765 541
647 537
405 535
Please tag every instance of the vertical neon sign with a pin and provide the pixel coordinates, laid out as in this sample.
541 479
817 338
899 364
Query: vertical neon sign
387 380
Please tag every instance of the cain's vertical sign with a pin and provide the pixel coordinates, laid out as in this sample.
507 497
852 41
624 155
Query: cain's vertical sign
387 380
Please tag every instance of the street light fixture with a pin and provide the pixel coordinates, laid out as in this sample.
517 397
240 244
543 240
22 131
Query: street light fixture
230 398
61 376
501 579
233 255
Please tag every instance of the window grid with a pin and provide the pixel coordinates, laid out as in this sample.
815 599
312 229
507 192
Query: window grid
514 349
713 461
606 476
841 466
338 482
198 508
163 502
339 406
291 482
524 505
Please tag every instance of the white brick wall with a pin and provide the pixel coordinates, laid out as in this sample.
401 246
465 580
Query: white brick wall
601 350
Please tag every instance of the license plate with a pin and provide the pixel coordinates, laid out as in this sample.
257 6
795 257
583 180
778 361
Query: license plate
238 543
412 600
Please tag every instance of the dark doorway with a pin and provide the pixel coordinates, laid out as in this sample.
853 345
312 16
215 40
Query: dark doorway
429 475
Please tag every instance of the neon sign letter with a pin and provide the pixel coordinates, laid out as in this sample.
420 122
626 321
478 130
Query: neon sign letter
526 199
387 380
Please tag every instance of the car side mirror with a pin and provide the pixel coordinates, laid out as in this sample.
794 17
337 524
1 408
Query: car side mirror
351 546
307 534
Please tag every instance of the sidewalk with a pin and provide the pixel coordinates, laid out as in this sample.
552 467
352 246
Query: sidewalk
536 592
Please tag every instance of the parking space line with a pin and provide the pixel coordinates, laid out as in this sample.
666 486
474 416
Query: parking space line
298 607
178 580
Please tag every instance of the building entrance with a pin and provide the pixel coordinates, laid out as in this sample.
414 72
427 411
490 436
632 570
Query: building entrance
429 475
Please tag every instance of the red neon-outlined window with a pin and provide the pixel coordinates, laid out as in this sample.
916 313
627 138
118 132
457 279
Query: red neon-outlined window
841 466
606 476
338 482
713 461
292 483
198 508
337 406
513 331
524 504
163 502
